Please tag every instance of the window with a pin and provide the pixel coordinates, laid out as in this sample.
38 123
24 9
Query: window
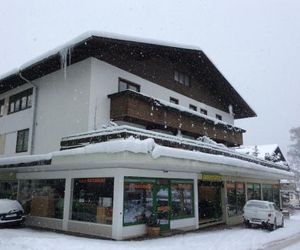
1 107
203 111
235 198
20 101
43 198
174 100
219 117
182 198
22 141
8 189
267 192
182 78
138 200
93 200
192 107
253 191
124 85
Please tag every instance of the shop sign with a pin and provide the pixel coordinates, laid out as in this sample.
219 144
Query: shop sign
211 177
92 180
8 176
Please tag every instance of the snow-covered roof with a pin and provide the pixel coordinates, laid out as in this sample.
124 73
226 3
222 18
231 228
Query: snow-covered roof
91 44
149 147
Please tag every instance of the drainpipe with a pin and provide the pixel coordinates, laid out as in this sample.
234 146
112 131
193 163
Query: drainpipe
34 106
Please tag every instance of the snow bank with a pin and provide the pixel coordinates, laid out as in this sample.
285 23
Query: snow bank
235 238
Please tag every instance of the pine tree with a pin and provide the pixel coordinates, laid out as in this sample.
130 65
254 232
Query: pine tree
294 149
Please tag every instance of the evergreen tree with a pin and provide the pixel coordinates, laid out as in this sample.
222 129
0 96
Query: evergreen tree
294 149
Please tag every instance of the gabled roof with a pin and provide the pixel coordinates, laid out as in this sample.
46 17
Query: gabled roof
101 45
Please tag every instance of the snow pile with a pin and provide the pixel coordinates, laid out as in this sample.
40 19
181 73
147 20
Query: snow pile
131 145
24 159
7 205
148 146
235 238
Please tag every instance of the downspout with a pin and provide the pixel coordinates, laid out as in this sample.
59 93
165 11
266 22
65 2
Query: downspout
34 106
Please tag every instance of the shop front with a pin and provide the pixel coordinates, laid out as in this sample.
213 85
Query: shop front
163 199
210 207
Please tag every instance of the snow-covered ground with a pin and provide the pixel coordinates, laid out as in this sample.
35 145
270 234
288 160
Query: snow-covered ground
237 238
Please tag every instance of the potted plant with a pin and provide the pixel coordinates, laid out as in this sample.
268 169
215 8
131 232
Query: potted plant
153 226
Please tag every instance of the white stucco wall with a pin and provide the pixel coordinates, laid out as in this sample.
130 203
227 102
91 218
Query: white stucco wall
104 81
62 106
10 124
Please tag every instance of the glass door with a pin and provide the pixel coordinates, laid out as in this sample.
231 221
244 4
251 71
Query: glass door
162 200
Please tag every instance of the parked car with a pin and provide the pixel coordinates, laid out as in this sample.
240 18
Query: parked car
263 213
11 212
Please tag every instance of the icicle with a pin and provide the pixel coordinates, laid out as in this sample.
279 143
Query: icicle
65 59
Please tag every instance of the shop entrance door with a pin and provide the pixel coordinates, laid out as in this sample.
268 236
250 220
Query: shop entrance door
210 201
163 208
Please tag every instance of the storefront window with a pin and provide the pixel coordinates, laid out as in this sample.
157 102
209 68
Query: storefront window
93 200
267 192
138 200
8 189
43 198
276 194
240 196
182 198
253 191
235 198
231 198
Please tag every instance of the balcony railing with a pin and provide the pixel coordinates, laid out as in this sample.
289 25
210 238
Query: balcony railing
130 106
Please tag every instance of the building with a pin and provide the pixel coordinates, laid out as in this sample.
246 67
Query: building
99 134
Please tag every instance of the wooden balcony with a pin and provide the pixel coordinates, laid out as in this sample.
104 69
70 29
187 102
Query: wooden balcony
134 107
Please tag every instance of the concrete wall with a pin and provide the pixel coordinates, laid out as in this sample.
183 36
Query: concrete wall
10 124
62 106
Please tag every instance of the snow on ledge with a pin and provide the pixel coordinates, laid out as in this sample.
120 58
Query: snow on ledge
148 146
24 159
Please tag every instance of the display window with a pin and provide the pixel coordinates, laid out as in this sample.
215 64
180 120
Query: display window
138 200
43 198
235 198
8 189
182 195
253 191
231 199
240 197
93 200
276 194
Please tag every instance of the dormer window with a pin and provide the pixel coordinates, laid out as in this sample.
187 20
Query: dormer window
174 100
203 111
182 78
1 107
219 117
193 107
124 85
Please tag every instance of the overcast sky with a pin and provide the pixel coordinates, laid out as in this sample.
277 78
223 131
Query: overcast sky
254 43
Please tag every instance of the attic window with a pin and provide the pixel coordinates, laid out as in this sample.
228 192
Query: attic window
203 111
219 117
193 107
174 100
182 78
124 85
